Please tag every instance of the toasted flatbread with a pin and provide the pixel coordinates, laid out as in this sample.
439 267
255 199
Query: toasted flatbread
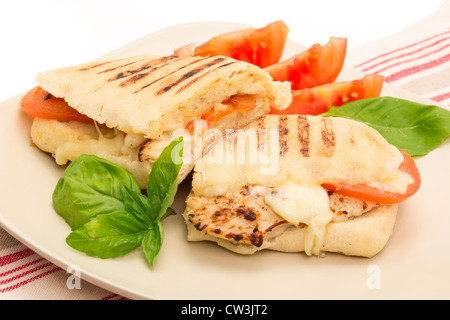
310 149
150 95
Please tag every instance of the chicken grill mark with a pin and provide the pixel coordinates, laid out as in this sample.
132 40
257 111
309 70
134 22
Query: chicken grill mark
234 217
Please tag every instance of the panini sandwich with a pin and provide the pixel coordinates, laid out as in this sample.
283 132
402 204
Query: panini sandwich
336 188
127 110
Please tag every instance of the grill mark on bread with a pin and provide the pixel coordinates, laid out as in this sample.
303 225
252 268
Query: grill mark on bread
189 76
204 74
171 73
118 67
145 66
328 139
262 132
90 67
260 122
303 135
135 78
283 134
140 76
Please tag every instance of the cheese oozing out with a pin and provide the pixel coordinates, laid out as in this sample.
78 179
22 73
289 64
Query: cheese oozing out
299 203
113 143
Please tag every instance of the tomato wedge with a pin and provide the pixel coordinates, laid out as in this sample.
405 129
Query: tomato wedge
185 51
368 193
313 67
262 47
39 103
317 100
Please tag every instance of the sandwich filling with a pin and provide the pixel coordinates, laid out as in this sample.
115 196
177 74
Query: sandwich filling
257 214
72 138
114 141
300 204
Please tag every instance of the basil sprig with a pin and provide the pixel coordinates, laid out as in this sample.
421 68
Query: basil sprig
413 127
106 210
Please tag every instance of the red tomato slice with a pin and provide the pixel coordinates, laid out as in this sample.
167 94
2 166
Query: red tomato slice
368 193
313 67
233 104
38 103
262 47
185 51
317 100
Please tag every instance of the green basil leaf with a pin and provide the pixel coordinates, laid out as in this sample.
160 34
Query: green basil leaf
168 212
163 180
137 204
413 127
91 186
152 242
106 210
108 235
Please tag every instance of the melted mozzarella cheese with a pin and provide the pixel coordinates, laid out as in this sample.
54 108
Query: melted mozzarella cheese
113 143
396 180
101 147
131 142
307 204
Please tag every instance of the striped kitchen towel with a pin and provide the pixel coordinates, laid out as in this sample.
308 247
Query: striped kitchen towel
416 58
24 275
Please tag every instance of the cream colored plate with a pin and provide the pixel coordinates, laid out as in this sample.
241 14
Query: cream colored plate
415 263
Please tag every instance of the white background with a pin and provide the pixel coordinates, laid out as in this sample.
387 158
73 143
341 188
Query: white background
40 35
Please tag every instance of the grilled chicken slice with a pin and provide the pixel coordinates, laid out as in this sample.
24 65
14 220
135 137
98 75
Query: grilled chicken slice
244 217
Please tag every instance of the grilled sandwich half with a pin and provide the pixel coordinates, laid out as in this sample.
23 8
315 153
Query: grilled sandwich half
138 103
264 187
